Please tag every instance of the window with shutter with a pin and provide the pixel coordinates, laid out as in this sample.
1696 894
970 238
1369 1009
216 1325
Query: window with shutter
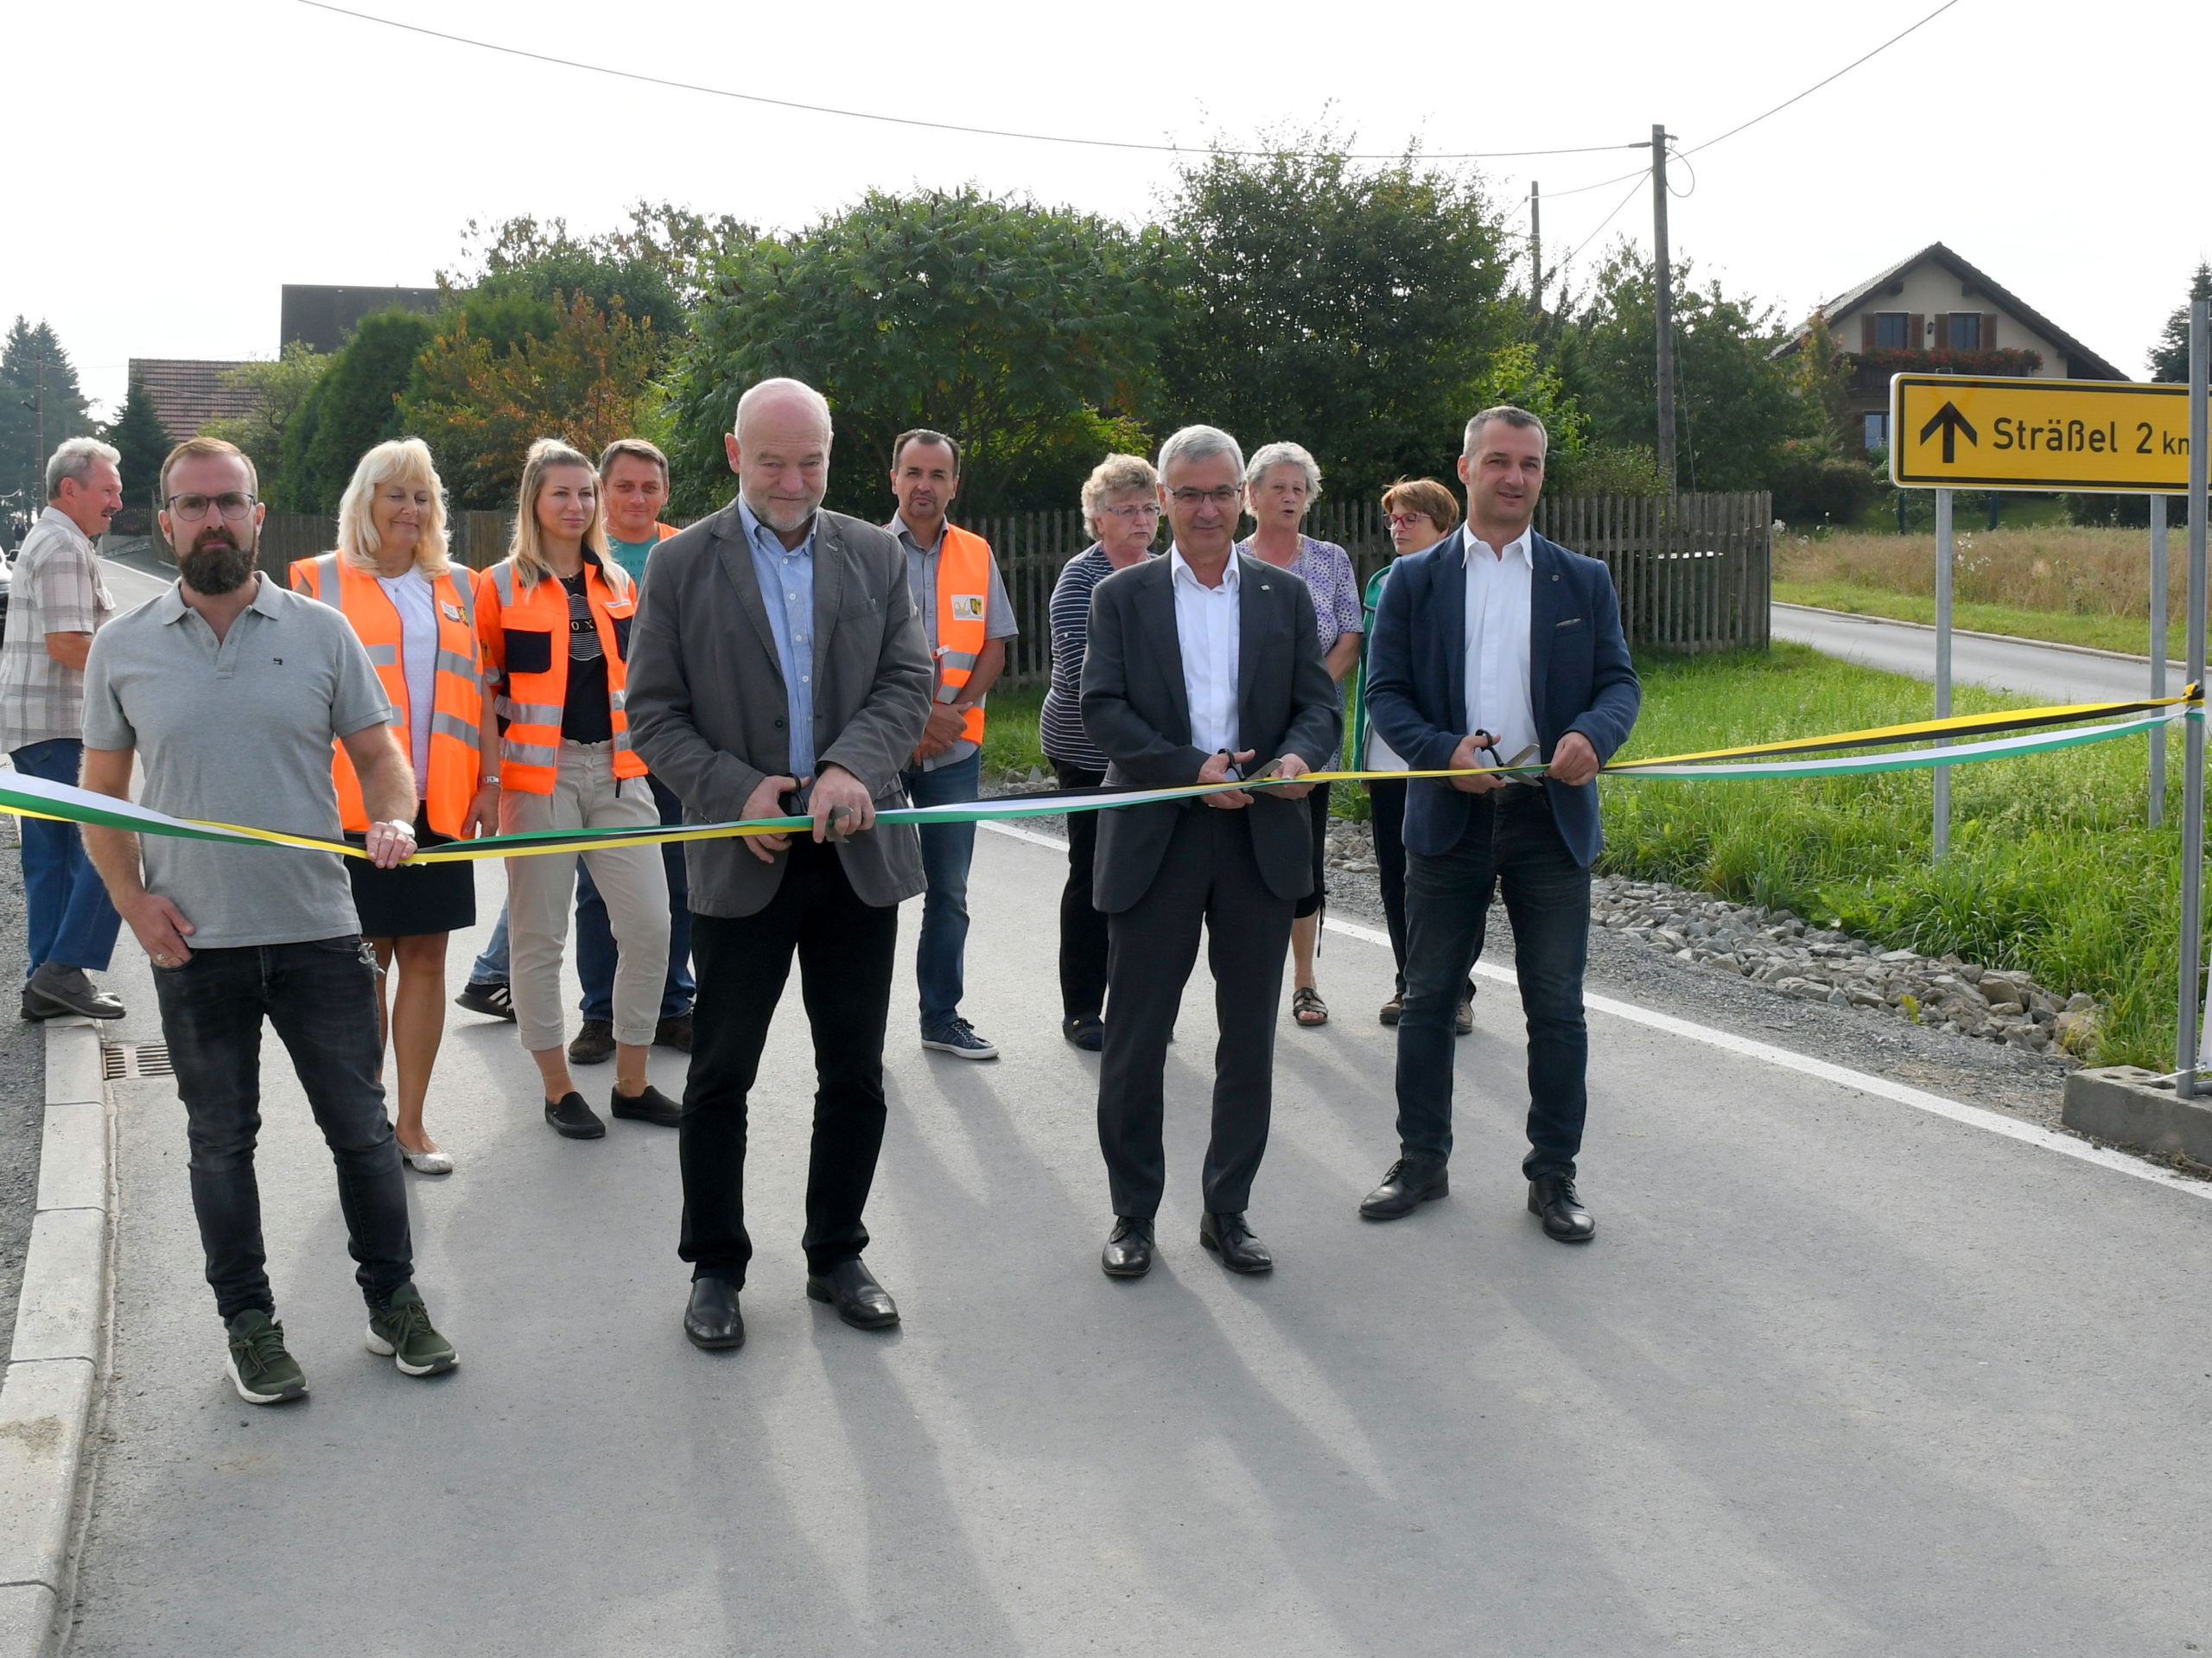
1869 332
1988 332
1964 331
1892 331
1917 331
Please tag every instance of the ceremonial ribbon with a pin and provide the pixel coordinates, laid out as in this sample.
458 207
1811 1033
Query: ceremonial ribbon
2030 732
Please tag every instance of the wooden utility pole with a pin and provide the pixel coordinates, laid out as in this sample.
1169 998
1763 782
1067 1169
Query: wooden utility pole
1663 290
1536 246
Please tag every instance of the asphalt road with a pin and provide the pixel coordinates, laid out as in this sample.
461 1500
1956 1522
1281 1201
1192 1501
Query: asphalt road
2042 670
1837 1377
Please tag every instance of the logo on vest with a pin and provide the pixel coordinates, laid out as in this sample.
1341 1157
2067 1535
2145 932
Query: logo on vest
967 607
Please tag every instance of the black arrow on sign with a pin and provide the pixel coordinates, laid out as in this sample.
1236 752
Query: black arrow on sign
1950 422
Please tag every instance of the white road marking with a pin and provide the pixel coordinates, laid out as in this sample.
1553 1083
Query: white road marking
1972 1117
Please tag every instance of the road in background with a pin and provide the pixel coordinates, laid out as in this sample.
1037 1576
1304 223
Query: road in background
2050 671
1837 1376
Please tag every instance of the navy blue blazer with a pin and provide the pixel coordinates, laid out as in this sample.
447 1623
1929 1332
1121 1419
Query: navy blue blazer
1580 679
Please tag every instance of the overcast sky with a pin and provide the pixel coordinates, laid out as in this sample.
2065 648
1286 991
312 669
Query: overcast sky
175 165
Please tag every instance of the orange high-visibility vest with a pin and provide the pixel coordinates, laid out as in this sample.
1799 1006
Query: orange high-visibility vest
963 605
525 635
454 765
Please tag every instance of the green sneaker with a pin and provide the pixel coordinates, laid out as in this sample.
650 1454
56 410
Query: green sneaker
258 1365
400 1330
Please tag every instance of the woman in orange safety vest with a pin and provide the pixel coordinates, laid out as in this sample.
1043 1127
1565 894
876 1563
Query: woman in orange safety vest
414 611
554 622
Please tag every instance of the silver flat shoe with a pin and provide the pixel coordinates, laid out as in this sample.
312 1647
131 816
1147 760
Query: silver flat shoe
427 1162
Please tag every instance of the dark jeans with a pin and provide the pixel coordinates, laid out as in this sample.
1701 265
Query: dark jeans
1510 842
320 998
70 921
845 950
1208 876
1388 820
595 952
1083 929
941 951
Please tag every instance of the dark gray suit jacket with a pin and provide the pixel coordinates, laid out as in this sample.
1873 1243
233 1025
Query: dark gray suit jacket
707 705
1136 710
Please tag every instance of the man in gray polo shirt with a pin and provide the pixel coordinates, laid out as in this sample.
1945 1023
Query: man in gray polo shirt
232 689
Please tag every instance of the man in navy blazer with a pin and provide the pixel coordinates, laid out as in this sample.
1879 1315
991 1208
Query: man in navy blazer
1493 645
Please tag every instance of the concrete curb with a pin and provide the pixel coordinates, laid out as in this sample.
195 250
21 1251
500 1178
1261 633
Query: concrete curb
51 1386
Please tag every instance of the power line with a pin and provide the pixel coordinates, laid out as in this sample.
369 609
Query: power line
911 121
1631 195
1817 85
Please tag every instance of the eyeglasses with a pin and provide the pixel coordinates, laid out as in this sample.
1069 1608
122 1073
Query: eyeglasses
233 505
1140 509
1407 520
1227 495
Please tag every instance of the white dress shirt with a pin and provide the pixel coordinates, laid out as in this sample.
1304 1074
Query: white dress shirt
1498 700
1206 626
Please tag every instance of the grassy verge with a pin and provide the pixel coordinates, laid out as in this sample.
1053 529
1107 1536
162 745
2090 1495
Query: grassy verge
1010 739
2104 633
2051 869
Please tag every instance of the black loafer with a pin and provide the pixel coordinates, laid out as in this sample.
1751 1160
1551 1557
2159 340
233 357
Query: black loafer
1552 1200
1086 1031
572 1119
652 1106
1229 1237
1127 1253
852 1289
1411 1182
712 1320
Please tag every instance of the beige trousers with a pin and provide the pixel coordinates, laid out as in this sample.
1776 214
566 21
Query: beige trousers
541 892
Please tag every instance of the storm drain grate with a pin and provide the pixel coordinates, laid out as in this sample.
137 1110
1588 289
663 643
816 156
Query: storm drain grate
120 1061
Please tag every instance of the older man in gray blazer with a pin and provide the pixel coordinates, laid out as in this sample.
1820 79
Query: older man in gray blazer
778 653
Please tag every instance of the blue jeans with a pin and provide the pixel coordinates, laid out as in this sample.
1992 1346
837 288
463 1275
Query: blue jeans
321 999
492 966
595 952
1510 842
947 849
71 922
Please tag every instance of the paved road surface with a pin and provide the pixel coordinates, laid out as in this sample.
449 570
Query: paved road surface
2042 670
1837 1377
131 585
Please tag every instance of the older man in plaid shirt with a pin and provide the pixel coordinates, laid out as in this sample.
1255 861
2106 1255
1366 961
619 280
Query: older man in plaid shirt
57 602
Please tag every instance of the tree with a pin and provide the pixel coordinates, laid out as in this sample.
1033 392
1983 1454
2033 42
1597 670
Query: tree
137 433
1735 408
2169 357
353 406
40 405
282 389
479 404
1028 333
1353 310
655 267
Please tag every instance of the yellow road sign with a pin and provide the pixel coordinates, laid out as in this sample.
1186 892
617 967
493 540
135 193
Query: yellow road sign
1959 431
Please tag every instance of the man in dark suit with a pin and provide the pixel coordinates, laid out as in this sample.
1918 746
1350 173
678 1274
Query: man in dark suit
777 651
1493 643
1202 667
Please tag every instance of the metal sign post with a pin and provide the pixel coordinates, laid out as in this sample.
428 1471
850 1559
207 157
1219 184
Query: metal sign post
1943 547
2192 809
2158 654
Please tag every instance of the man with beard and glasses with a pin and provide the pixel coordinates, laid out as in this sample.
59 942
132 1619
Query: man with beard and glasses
231 690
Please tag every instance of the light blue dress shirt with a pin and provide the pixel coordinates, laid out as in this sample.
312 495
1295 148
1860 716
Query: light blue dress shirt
786 577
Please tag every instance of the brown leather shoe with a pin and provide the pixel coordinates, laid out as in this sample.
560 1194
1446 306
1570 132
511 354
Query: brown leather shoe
594 1044
674 1033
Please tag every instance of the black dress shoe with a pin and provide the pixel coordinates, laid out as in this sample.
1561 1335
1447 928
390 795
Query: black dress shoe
674 1032
572 1119
712 1320
1086 1031
1411 1182
652 1106
593 1043
1229 1237
52 992
1552 1199
1127 1253
852 1289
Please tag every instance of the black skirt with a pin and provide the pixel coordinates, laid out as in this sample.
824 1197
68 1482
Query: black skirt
410 900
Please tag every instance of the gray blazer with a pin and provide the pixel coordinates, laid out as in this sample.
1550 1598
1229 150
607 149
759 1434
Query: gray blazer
1137 711
706 699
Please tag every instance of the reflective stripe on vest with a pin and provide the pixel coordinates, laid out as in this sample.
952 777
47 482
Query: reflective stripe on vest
531 701
454 768
963 605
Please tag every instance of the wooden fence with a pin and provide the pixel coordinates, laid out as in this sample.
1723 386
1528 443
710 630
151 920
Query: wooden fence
1693 572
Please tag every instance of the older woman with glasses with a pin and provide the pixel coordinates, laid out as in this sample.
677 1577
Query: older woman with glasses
1121 507
1421 512
1281 483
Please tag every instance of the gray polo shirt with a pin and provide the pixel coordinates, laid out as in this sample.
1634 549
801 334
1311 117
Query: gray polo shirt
238 731
921 580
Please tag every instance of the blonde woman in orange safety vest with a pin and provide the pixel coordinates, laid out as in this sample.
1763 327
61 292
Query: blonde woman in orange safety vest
416 611
555 620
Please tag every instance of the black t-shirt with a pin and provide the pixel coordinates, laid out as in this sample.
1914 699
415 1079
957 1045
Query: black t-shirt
584 716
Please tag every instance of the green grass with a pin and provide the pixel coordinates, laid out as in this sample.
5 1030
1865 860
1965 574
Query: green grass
2051 870
2060 627
1010 740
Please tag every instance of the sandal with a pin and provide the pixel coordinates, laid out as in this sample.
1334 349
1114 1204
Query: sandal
1307 1007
